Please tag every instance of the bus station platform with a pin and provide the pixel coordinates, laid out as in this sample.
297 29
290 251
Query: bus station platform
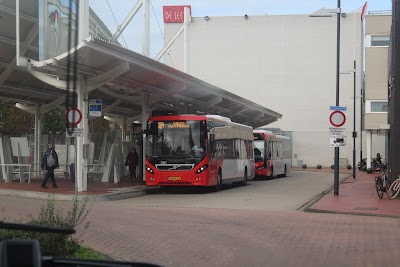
357 196
98 191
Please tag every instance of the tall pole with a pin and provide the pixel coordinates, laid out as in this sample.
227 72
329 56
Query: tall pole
336 174
354 121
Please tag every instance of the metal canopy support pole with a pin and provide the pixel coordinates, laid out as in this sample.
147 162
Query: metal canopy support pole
145 116
124 126
127 20
39 136
336 175
170 43
86 141
17 31
369 149
146 28
186 40
354 120
83 20
81 161
36 153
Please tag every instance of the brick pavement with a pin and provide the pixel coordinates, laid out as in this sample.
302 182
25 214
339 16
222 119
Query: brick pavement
358 196
222 237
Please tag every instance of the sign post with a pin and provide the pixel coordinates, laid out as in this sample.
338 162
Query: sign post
337 138
74 117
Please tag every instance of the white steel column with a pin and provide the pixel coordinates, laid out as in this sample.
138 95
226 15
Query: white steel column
186 40
81 162
369 149
36 153
146 28
83 20
124 126
145 116
85 119
17 31
39 138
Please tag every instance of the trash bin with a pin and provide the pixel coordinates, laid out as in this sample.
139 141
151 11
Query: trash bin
72 172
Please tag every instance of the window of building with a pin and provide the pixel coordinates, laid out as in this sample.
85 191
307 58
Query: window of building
380 40
379 106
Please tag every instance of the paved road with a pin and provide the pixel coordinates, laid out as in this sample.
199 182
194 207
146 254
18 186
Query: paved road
256 225
282 194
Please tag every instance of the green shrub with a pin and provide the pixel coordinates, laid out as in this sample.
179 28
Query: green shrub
54 244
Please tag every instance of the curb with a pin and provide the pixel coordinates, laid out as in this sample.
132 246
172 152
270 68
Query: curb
351 213
90 198
306 206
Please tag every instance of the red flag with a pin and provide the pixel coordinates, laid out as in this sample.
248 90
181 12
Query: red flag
364 9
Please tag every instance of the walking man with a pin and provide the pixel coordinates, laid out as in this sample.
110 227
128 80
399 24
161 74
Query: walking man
132 161
49 163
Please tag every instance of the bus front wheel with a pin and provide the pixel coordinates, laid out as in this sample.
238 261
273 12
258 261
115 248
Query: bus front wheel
244 182
218 187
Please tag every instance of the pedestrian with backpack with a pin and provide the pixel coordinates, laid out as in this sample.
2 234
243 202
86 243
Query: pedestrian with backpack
49 163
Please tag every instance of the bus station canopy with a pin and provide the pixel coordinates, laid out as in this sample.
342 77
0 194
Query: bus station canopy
121 78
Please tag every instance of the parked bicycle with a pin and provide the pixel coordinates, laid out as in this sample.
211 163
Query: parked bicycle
394 189
382 183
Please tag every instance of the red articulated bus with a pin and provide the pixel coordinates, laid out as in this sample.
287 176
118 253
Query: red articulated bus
194 150
272 154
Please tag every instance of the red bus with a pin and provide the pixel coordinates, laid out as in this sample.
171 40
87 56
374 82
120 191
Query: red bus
272 154
193 150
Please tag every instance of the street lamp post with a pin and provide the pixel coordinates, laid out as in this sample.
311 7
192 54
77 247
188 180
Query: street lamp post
354 120
336 175
328 13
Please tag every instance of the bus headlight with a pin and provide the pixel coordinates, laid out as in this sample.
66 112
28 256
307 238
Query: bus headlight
202 168
148 169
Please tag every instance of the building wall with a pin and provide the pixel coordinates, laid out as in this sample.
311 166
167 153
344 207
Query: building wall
376 78
286 63
376 73
374 120
378 24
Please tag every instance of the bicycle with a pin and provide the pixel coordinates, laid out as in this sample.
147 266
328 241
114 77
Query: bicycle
394 189
382 183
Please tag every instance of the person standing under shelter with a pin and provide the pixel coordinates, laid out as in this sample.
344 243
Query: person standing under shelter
132 160
50 163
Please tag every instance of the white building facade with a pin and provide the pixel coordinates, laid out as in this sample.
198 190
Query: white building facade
286 63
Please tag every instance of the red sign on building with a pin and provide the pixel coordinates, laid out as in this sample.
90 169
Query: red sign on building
174 14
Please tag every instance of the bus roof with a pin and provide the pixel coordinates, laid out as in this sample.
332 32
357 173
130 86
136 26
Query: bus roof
262 131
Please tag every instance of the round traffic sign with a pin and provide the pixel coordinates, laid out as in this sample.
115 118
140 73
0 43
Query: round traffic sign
337 118
73 116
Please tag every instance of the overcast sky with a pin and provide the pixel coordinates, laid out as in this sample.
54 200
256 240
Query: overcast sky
201 8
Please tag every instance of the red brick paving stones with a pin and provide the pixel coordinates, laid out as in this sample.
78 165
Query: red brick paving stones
358 196
221 237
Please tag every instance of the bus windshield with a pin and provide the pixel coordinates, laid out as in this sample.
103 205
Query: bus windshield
259 150
181 138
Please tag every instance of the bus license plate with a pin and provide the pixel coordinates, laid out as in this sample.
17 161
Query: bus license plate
174 178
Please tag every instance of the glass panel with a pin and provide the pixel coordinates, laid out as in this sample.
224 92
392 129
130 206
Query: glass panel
379 106
177 138
259 150
380 40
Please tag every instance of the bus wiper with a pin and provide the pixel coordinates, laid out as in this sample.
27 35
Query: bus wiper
35 228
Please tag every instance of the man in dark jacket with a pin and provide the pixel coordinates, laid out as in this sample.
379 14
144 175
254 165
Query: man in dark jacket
49 163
